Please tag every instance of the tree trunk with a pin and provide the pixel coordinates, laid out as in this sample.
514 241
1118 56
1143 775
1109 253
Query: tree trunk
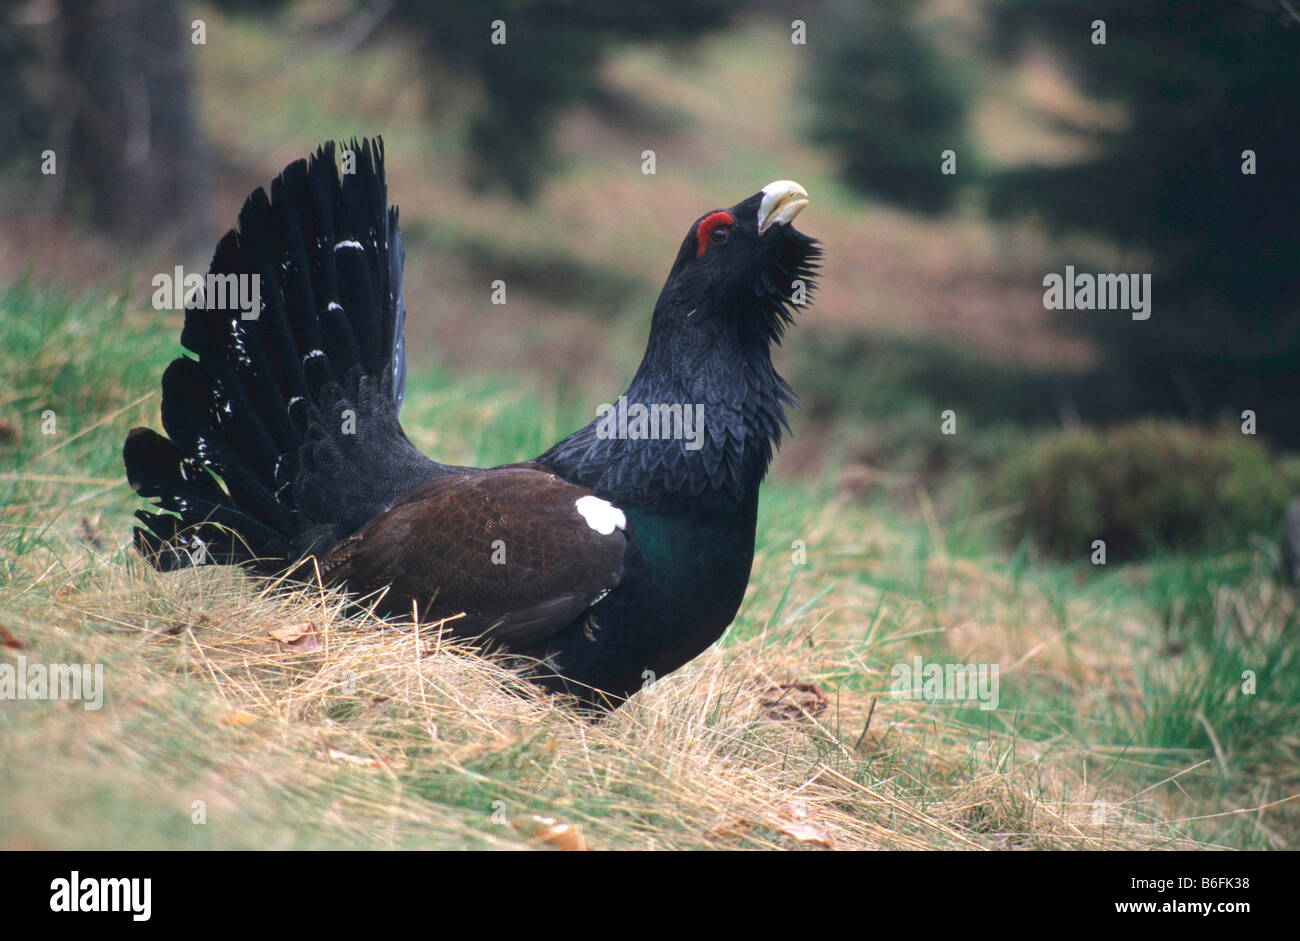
133 141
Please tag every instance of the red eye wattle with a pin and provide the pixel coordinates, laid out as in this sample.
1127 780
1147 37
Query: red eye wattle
720 222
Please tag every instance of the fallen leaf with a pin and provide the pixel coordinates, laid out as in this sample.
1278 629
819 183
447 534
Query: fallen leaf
302 636
801 830
797 700
807 833
547 831
343 758
236 718
9 640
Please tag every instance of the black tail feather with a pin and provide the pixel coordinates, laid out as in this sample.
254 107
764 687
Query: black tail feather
207 525
293 410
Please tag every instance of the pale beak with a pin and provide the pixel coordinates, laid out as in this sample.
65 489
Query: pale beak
782 201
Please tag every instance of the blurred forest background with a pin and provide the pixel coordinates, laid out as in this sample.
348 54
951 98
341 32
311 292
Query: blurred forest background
959 450
523 162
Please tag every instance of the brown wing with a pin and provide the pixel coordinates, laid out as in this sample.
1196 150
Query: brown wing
508 548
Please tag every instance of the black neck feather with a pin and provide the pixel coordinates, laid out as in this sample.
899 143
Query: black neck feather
711 357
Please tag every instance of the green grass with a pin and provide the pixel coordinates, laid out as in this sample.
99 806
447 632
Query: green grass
1111 680
1119 684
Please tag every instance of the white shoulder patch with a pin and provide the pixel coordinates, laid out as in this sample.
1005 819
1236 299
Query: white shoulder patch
601 515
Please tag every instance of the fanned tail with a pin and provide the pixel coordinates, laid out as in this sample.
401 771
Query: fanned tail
283 434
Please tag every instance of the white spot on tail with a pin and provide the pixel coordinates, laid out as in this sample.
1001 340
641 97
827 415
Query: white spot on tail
601 515
350 243
237 343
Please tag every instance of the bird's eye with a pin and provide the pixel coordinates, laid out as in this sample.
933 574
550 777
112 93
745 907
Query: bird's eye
714 229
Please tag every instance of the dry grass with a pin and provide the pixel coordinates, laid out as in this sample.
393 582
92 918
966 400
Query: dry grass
382 737
387 737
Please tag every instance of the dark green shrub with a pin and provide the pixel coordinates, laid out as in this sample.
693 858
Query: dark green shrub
1146 487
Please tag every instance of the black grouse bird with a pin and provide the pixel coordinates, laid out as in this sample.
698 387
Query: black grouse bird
618 555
